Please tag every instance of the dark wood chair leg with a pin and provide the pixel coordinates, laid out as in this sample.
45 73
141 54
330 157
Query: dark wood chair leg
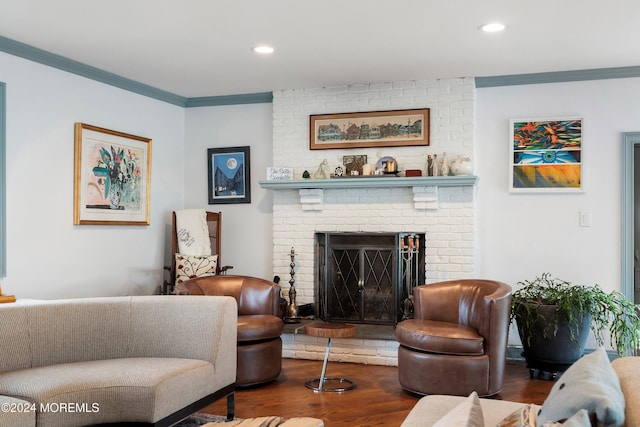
231 406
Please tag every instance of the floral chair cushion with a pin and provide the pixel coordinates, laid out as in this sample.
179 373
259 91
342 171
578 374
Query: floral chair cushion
192 266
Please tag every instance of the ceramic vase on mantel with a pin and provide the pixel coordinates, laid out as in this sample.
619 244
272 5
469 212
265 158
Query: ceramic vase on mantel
444 169
462 166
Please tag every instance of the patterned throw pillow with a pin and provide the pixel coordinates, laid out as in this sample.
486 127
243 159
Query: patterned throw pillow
192 266
466 414
591 384
580 419
523 417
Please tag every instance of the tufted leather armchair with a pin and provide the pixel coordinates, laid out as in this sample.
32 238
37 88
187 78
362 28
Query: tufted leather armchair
259 327
457 341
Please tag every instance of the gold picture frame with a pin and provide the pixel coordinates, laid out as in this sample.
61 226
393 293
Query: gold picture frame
394 128
112 177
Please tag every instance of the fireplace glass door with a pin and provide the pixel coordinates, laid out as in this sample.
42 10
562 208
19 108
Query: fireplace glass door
357 277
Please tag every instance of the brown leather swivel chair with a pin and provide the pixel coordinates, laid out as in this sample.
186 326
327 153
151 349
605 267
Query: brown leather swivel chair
457 341
259 327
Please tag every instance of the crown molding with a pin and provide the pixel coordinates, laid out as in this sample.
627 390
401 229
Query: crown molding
558 77
40 56
249 98
62 63
35 54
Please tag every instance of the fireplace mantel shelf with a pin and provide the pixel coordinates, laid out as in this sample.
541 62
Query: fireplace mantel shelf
377 182
425 188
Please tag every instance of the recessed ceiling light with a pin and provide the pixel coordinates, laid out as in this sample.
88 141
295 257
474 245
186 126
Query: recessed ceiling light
493 27
263 49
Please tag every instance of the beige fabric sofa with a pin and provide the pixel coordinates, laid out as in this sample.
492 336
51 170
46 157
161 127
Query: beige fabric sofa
430 409
146 359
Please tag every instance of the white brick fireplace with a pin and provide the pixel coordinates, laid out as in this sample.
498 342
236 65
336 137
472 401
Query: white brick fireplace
447 216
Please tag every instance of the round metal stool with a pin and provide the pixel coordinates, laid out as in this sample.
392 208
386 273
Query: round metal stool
329 330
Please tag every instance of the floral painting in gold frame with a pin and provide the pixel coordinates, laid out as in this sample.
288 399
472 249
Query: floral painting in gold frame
112 177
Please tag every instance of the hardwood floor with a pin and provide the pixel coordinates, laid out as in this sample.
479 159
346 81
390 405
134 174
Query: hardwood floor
378 399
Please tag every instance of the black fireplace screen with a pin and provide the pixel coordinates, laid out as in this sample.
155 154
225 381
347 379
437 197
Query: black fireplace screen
367 277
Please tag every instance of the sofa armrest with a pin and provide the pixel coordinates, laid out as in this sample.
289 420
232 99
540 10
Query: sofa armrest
16 418
628 370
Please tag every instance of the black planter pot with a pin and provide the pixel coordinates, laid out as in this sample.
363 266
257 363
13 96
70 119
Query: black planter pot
555 352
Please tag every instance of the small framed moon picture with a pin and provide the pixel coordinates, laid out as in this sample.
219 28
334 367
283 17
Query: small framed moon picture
229 175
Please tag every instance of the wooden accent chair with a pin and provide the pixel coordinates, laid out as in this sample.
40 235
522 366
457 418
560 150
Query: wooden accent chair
457 341
214 223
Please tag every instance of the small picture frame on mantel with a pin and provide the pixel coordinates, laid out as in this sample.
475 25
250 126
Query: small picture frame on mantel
354 164
279 174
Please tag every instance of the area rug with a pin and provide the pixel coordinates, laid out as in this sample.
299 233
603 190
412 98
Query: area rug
198 419
208 420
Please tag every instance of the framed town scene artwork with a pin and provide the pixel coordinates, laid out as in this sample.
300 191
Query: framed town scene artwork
229 175
112 177
546 155
370 129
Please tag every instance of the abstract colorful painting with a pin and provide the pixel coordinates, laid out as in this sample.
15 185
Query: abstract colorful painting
546 155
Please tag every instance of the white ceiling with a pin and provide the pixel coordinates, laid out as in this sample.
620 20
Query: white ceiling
195 48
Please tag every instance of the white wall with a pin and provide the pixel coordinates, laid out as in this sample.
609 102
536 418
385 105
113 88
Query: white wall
518 235
47 256
246 228
524 235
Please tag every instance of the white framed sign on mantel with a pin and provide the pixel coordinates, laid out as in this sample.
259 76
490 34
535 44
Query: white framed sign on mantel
279 174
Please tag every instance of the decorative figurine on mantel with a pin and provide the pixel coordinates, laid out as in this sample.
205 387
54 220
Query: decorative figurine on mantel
435 166
320 173
291 315
444 169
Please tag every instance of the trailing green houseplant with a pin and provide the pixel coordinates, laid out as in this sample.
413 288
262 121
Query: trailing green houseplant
610 312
